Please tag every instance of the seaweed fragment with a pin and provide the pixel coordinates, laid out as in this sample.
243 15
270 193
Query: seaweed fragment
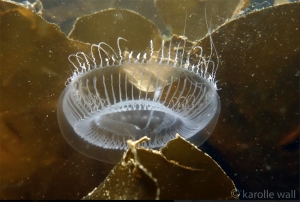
178 171
107 25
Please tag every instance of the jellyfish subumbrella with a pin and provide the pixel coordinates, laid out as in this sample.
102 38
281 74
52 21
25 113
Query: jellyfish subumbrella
117 95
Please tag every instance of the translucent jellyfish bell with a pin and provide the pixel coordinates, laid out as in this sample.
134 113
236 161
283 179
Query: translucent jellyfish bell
115 97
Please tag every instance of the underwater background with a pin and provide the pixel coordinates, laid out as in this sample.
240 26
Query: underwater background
256 140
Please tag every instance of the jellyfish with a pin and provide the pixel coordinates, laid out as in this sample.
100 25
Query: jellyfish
117 95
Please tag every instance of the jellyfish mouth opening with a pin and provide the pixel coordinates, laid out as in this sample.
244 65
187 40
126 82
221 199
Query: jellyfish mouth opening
140 119
136 123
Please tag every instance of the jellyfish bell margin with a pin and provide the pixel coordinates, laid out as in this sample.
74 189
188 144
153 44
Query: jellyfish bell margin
112 98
